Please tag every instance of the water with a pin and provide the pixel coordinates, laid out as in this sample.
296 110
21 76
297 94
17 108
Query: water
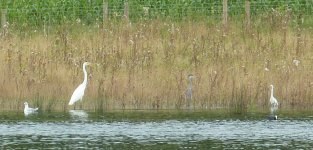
154 130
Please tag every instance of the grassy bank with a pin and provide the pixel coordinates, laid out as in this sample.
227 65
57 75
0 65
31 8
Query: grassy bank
145 65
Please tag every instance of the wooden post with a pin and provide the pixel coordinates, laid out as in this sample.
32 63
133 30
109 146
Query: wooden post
298 35
3 18
247 8
105 11
225 13
146 11
126 11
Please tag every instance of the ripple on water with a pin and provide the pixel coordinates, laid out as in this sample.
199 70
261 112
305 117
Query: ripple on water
117 134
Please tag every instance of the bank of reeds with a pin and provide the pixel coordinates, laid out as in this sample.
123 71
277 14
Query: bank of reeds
145 65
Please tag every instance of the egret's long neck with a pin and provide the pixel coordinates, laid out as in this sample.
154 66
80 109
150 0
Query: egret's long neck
272 92
26 106
85 75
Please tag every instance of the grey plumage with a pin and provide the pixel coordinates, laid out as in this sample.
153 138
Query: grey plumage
188 94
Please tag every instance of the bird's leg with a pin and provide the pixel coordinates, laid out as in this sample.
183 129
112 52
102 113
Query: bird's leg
274 110
189 103
193 103
80 105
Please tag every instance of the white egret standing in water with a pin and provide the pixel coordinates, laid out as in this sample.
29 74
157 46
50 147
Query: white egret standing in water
28 110
188 95
80 90
273 100
274 103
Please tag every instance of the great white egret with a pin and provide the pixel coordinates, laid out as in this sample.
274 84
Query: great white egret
273 100
188 94
80 90
274 105
28 110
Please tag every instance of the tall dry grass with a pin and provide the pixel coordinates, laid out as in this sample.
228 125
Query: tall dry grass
145 65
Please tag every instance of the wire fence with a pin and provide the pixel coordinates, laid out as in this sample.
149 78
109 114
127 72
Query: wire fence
38 13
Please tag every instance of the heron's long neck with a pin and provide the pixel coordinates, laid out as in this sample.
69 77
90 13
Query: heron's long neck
272 92
85 75
190 84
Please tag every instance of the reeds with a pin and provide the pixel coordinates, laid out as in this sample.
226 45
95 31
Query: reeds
145 65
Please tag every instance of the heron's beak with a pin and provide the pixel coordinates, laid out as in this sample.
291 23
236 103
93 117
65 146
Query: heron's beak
95 64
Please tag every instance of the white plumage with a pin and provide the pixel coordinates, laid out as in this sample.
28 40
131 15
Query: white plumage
28 110
273 100
80 90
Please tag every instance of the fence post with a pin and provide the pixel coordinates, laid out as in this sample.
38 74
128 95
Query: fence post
225 13
247 8
3 18
298 35
126 11
105 10
146 11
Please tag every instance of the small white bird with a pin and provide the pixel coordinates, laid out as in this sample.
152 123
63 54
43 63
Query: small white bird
296 62
80 90
28 110
273 100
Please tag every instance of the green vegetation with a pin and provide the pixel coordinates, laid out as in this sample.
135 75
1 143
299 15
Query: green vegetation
28 13
144 64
